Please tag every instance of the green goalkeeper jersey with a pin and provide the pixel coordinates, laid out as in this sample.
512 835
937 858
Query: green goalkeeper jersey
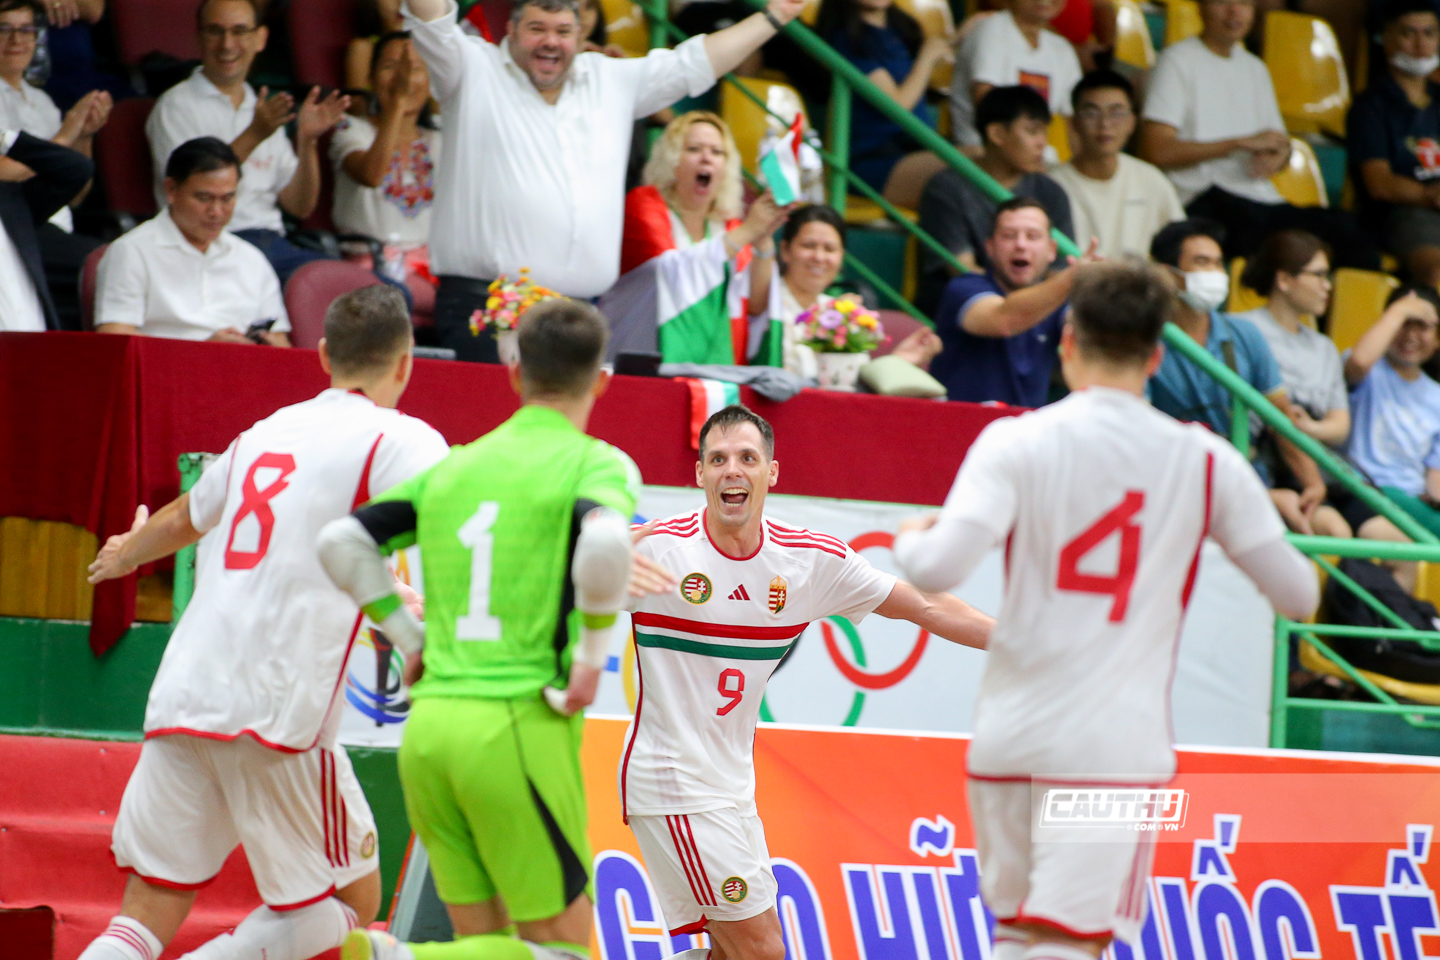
496 525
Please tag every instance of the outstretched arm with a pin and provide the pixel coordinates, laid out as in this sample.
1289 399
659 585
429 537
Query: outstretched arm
728 48
145 542
943 614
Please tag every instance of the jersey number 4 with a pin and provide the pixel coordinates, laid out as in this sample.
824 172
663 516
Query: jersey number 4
478 534
1119 520
256 503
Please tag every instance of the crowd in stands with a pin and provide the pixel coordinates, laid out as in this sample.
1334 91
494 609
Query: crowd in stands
545 128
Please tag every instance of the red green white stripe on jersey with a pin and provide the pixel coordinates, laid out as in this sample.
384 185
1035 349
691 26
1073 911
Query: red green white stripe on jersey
727 641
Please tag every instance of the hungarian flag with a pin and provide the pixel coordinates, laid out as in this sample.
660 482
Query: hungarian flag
781 164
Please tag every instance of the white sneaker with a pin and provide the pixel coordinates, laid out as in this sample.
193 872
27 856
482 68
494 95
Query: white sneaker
373 945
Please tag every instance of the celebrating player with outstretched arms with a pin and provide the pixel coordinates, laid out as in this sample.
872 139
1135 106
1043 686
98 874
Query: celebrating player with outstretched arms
240 726
1104 504
750 585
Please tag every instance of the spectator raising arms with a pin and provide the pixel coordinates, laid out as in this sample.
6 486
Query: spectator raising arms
60 172
1212 123
1009 47
885 43
184 276
1394 140
696 279
959 215
217 102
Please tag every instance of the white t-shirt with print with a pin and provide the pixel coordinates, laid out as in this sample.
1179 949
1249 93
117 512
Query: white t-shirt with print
397 211
997 53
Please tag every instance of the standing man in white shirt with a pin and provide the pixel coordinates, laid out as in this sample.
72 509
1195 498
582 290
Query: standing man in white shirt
217 102
1118 199
182 275
536 144
1213 124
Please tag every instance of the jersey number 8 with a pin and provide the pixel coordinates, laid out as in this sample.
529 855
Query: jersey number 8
256 503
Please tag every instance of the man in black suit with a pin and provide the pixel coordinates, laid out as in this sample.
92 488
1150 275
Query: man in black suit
60 173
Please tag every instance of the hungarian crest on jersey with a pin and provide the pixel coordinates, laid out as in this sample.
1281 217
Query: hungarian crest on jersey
777 594
696 588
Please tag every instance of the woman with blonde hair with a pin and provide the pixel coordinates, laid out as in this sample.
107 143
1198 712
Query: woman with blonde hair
696 283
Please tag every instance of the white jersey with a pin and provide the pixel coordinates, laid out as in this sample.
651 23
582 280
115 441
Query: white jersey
1103 503
261 648
706 651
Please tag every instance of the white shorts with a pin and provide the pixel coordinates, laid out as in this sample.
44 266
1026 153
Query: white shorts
706 866
1087 883
302 818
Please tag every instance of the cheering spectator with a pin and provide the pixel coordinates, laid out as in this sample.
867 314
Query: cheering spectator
385 169
960 215
1396 406
374 20
1001 328
28 108
695 278
184 276
217 102
1009 47
1114 197
1212 123
1394 141
59 173
885 43
537 139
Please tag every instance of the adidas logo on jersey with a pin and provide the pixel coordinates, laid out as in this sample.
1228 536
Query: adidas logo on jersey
739 593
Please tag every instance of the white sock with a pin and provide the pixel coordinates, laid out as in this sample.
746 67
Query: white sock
1055 950
288 935
125 939
1009 943
695 953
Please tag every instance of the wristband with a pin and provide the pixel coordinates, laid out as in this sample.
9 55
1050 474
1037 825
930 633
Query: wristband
774 22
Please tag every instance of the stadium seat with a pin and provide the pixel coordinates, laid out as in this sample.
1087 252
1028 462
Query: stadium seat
88 274
166 26
626 26
936 20
748 122
123 160
1242 298
1182 21
1133 45
810 12
1356 303
1301 182
320 30
898 325
1309 73
312 289
1315 661
1060 137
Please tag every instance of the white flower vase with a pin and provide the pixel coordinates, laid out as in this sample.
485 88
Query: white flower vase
508 343
840 371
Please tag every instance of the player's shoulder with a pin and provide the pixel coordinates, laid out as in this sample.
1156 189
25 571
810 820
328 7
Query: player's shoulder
681 526
788 537
411 430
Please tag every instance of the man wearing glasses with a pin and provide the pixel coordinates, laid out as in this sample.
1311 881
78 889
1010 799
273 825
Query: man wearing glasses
217 102
1115 198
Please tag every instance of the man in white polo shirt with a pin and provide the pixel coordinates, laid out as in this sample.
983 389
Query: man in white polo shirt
183 275
536 143
217 102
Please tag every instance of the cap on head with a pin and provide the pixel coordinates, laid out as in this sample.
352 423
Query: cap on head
366 329
733 416
1118 308
562 342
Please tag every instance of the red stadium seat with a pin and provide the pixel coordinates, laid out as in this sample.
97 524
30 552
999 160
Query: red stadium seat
123 156
87 286
142 26
319 32
312 289
898 325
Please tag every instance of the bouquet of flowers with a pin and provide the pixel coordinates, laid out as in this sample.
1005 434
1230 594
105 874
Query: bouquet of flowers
841 326
507 301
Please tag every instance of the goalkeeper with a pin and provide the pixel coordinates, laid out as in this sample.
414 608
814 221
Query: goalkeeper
525 539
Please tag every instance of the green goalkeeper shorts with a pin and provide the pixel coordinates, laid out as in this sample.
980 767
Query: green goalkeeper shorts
494 790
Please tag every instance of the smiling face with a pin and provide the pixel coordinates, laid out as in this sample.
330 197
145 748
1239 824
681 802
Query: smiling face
812 260
202 204
1414 344
1021 249
701 166
229 40
543 44
1308 290
17 43
736 473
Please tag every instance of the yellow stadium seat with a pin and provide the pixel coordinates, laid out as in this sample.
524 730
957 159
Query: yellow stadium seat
1133 45
1301 182
1427 582
1242 298
810 13
935 20
1182 21
860 211
1060 137
1308 71
626 26
748 122
1356 303
1316 662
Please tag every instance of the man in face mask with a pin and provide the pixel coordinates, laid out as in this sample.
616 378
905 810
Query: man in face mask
1191 252
1394 140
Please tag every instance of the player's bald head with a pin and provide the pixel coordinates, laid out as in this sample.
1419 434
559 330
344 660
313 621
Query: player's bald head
1118 308
562 342
366 330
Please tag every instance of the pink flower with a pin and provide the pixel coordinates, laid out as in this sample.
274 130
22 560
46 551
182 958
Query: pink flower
840 338
830 319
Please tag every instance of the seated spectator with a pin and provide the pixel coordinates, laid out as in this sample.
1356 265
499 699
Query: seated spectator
1001 328
374 20
59 173
28 108
695 280
385 168
886 44
183 275
1009 47
960 215
1114 197
217 102
1394 141
1396 406
1212 123
1191 249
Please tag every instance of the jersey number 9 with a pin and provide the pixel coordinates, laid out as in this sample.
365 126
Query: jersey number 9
732 688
